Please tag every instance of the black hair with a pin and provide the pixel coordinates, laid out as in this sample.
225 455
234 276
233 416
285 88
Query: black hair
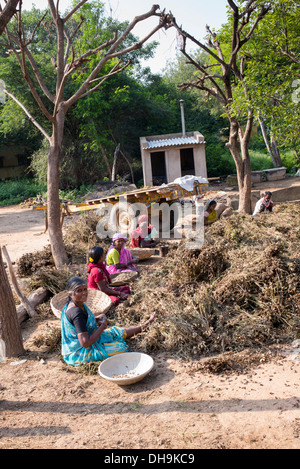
74 283
209 203
96 253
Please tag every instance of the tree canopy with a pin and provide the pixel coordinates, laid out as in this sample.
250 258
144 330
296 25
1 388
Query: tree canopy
137 102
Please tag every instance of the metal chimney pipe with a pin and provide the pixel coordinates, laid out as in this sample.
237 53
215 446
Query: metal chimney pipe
182 118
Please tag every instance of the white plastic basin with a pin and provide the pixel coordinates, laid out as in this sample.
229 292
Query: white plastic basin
126 368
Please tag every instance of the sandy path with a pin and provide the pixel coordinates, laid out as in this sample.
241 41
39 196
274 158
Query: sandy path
22 230
43 406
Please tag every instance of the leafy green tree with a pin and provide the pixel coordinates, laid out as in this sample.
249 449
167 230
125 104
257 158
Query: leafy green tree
69 63
204 113
272 79
224 74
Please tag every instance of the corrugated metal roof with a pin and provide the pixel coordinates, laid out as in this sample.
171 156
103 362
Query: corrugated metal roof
167 142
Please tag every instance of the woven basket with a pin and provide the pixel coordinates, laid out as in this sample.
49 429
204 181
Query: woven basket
97 301
122 278
142 253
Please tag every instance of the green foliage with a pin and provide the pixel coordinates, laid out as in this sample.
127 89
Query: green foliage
75 194
260 160
272 73
14 191
38 164
290 161
218 160
138 103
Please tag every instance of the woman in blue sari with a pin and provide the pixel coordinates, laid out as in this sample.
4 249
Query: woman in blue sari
83 340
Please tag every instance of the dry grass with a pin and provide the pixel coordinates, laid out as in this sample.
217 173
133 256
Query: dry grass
240 291
49 341
32 263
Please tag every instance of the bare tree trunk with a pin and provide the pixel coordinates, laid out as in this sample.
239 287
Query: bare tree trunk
297 155
35 298
7 13
242 162
129 164
265 137
53 203
245 194
53 210
245 182
275 151
106 161
113 175
30 310
272 148
10 332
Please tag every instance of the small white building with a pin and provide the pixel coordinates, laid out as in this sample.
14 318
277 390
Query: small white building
167 157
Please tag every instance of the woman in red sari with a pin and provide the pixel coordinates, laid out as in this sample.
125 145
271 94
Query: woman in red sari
99 278
142 236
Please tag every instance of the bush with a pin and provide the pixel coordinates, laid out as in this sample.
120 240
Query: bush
290 161
38 164
219 160
260 160
14 191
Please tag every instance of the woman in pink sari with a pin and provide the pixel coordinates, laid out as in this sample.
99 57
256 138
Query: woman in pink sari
119 259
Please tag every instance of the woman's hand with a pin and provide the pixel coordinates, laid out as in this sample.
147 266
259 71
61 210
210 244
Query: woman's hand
86 340
133 260
102 321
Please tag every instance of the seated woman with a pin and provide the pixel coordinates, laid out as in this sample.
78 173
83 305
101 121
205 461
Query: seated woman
119 259
99 278
143 236
83 340
210 214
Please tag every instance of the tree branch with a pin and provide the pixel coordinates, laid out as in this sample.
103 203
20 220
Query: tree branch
71 13
114 71
35 69
186 35
27 113
7 13
217 92
113 45
137 45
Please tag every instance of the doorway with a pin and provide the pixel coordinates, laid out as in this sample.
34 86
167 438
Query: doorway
187 162
158 164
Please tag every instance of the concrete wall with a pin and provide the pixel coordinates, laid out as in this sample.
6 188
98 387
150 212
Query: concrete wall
173 165
12 172
10 166
172 157
200 161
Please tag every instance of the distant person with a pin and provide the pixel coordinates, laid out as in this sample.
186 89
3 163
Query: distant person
143 236
119 259
210 213
264 205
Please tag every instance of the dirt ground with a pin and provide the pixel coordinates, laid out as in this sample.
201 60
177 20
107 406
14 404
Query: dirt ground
42 405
